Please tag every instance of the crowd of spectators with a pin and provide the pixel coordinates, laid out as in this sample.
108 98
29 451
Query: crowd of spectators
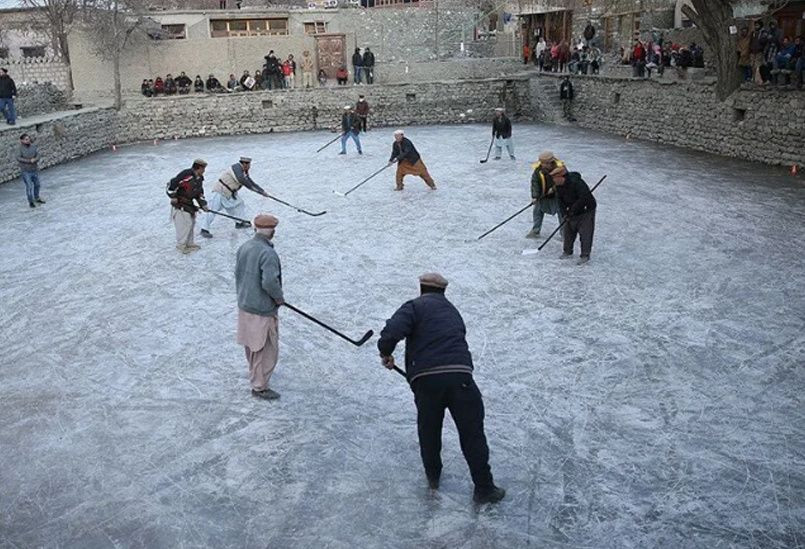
765 56
274 75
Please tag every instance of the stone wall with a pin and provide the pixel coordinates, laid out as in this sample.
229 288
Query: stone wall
60 139
38 70
759 124
35 99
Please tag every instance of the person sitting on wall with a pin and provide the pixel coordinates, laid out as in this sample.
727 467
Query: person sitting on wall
183 83
232 84
198 84
246 81
213 85
322 78
159 86
145 89
258 79
170 85
342 76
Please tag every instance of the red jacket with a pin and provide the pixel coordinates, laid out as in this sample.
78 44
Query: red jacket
638 53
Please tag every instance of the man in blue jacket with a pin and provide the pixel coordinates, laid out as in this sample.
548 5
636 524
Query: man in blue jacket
438 366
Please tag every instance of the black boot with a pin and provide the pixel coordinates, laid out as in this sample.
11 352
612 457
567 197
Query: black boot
205 233
433 483
31 204
39 201
492 495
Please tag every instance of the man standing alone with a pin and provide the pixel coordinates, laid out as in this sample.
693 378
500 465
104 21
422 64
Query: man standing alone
307 70
350 127
8 91
362 110
566 95
502 132
28 159
258 279
438 365
186 192
408 161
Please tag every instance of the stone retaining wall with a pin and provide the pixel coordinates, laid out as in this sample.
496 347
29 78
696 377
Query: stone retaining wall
759 124
38 70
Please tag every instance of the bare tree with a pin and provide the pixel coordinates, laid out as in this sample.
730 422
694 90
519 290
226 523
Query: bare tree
114 27
59 16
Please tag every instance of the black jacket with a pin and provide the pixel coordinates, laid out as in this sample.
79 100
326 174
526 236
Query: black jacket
574 196
502 127
187 187
357 60
566 90
434 333
404 150
368 59
349 122
7 87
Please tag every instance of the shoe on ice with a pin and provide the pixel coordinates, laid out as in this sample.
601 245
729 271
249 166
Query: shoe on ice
266 394
398 188
39 201
584 259
342 152
432 186
433 483
565 256
193 247
496 158
205 233
512 157
532 234
32 205
493 495
242 225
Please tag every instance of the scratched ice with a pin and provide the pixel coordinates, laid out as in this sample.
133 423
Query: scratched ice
650 398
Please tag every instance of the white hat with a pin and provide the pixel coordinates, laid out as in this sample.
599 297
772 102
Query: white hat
347 107
398 132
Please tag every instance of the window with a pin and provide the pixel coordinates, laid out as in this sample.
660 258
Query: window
33 51
317 27
248 27
176 32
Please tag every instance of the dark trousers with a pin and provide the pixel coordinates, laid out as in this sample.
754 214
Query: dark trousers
582 225
459 394
363 123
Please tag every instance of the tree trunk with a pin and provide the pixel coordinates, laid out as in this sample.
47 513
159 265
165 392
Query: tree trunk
714 18
118 91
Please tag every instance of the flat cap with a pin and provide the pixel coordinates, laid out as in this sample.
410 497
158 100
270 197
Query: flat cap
398 132
546 156
498 109
199 162
245 160
433 279
347 107
265 221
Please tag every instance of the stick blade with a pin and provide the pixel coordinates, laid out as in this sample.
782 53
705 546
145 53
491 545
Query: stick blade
365 338
342 195
531 251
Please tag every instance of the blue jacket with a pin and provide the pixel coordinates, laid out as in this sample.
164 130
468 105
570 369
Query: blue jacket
258 277
434 334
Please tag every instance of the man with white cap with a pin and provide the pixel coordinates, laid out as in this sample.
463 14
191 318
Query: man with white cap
225 195
350 127
543 191
258 280
438 365
502 132
186 192
408 161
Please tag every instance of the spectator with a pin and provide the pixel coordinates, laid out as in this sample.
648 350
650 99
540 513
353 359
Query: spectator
575 59
145 89
799 61
198 84
8 91
769 57
638 60
757 45
222 4
322 78
744 54
369 66
775 34
697 55
246 81
782 61
555 57
539 52
272 71
159 86
183 82
526 52
564 56
170 85
258 79
566 95
287 73
232 84
342 76
307 70
213 85
357 65
595 61
293 63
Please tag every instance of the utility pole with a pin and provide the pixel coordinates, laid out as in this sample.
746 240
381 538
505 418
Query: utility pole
436 29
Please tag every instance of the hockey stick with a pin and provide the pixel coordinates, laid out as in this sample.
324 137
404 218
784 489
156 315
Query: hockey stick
504 222
230 217
294 207
565 220
357 343
330 142
364 181
489 151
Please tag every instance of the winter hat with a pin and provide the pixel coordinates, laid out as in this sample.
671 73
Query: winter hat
499 109
434 280
399 132
265 221
199 162
546 156
347 107
245 160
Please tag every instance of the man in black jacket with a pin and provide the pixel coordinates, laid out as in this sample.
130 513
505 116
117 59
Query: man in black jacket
369 66
408 161
186 192
502 132
8 91
350 127
578 205
566 95
357 65
438 365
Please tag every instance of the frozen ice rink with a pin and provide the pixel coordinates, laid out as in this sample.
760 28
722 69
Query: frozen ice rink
652 398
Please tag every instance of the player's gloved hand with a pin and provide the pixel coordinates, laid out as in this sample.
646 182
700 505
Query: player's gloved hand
387 361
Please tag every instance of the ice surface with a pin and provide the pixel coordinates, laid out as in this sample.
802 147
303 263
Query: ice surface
650 398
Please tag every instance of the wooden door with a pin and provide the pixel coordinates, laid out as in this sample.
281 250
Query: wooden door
330 52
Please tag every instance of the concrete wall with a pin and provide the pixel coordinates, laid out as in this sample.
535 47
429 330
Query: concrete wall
760 124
